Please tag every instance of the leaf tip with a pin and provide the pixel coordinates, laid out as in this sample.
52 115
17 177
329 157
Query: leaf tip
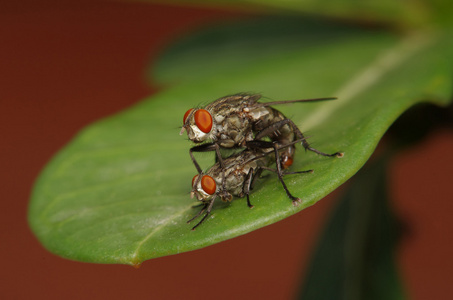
136 265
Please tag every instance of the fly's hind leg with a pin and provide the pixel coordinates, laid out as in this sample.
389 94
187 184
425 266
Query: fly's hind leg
274 145
265 145
274 127
249 183
277 125
295 200
307 146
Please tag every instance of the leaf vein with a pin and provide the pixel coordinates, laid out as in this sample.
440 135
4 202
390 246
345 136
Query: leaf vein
370 75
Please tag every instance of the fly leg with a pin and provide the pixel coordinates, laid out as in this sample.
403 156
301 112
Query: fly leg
295 200
264 145
307 145
249 182
207 207
256 176
277 125
274 127
259 145
205 148
298 172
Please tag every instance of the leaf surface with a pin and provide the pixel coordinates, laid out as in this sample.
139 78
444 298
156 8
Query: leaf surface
394 13
119 192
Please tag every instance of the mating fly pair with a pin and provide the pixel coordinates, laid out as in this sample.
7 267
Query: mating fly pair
239 173
240 121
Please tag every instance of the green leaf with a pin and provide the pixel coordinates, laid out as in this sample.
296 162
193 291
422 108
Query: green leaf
421 13
119 192
356 254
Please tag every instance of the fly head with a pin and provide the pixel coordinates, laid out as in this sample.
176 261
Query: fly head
199 125
205 189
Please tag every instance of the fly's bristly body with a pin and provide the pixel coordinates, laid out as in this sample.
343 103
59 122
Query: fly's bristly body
237 176
233 121
236 168
225 121
240 121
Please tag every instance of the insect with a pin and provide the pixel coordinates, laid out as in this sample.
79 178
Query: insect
237 176
237 120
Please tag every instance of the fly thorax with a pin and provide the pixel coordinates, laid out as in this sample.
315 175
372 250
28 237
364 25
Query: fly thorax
231 183
225 141
250 165
258 114
249 137
234 182
236 128
219 118
267 117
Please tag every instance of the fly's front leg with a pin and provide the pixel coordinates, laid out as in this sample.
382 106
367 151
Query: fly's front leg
223 192
208 208
205 205
206 148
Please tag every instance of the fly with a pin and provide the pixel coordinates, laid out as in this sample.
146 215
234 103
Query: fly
237 120
237 176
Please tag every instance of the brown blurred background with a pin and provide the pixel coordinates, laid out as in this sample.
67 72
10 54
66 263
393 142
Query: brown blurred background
64 65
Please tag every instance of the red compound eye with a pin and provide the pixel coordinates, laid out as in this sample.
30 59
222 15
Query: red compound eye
185 116
194 179
203 120
208 184
287 162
